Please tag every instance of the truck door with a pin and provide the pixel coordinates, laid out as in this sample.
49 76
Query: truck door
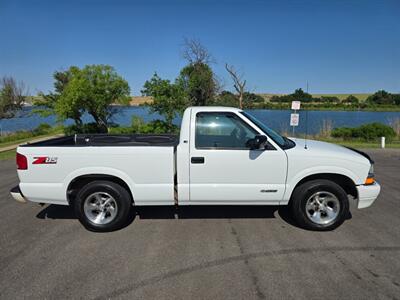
223 170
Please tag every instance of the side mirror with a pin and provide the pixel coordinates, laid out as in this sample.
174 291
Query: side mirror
258 142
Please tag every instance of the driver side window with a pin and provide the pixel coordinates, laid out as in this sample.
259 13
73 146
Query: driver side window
219 130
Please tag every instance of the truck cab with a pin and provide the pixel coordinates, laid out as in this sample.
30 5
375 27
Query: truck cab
217 165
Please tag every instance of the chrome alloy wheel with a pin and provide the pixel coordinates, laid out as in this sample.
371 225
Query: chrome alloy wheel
322 208
100 208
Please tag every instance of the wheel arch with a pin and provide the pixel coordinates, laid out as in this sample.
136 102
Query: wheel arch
80 181
344 181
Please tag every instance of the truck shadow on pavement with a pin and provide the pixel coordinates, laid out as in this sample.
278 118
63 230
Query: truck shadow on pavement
53 211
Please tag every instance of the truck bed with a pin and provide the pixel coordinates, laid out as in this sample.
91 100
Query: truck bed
79 140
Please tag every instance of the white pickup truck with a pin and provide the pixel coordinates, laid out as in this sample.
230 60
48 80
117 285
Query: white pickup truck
224 156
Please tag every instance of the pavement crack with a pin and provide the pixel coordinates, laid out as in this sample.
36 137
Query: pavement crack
252 272
272 253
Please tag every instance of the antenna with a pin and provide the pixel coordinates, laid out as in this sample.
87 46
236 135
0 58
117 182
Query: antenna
305 138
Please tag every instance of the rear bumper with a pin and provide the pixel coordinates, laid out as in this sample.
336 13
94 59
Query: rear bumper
17 195
367 194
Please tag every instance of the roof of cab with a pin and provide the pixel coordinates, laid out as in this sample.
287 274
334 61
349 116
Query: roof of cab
213 108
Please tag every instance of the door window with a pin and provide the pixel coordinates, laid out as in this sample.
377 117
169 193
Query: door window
221 131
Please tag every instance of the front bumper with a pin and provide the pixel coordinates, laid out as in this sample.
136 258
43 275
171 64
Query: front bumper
17 194
367 194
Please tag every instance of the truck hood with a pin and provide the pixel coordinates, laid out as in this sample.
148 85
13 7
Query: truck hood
323 149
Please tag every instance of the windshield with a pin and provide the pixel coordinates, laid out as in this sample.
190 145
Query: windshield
280 140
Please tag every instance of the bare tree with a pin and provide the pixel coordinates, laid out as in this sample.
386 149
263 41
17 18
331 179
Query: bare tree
12 97
238 83
194 52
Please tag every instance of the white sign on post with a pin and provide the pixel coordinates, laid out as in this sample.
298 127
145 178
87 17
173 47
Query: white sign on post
296 105
294 119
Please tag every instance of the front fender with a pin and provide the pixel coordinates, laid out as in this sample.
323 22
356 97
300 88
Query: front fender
294 180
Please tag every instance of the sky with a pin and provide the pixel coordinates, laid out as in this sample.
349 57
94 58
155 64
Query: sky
337 46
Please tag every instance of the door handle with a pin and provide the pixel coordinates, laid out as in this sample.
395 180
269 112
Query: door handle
197 160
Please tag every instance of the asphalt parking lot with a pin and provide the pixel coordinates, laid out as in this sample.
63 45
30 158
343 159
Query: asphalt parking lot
207 253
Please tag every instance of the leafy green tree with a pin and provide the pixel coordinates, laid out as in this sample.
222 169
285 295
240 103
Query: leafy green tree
198 81
47 103
197 78
12 97
91 89
169 99
380 97
396 99
298 95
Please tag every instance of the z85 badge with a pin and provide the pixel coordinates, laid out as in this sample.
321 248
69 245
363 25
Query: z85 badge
44 160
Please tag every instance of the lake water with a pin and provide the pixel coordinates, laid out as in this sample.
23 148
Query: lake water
276 119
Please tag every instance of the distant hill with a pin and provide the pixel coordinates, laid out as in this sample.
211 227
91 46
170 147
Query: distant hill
361 97
139 100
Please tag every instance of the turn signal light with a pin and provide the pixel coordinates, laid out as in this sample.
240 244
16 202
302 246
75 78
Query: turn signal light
22 162
369 180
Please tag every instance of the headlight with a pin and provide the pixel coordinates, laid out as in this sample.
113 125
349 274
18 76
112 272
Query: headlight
370 179
371 171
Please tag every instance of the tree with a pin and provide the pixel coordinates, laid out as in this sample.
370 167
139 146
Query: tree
197 78
12 97
194 52
396 99
47 103
300 95
92 89
380 97
198 81
169 99
238 83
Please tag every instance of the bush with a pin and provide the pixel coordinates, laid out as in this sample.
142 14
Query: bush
120 130
342 132
84 128
367 132
375 130
43 128
351 100
138 125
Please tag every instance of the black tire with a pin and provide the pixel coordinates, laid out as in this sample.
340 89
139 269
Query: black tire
122 200
305 191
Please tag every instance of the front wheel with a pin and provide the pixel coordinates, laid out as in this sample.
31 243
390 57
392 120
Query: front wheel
103 206
320 205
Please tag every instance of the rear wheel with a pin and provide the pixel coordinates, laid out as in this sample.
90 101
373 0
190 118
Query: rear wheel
320 205
103 206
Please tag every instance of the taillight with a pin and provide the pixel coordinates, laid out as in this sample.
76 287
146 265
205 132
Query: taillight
22 162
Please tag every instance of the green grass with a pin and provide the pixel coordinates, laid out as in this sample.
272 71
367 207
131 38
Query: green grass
360 144
367 145
22 141
7 154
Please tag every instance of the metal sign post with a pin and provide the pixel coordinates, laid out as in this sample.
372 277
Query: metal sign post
294 117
